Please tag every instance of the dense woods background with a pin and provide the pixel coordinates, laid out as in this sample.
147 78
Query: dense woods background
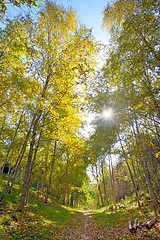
49 80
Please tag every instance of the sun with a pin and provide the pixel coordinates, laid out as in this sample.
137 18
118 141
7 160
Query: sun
107 113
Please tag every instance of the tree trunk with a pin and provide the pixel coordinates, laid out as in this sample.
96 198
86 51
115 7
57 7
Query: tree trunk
18 162
33 161
72 199
25 187
99 188
149 89
66 184
104 186
100 194
157 132
112 182
11 145
51 173
138 156
153 196
153 167
131 175
28 171
14 178
150 188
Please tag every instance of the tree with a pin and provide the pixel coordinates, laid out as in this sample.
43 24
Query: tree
131 71
45 65
17 3
64 55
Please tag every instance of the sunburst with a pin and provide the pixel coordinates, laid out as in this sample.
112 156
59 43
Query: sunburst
107 113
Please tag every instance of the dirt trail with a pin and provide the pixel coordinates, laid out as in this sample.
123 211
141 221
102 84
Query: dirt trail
84 228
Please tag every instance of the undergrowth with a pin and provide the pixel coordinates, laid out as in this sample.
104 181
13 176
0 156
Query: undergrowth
47 221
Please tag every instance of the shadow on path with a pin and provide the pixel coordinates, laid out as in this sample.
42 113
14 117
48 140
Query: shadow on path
83 227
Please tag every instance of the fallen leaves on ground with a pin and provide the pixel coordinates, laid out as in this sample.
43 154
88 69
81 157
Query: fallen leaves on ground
85 228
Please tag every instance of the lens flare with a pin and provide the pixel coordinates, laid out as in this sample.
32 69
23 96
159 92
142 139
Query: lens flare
107 113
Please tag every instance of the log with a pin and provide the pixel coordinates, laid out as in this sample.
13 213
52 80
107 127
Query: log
150 223
130 226
144 224
138 224
135 226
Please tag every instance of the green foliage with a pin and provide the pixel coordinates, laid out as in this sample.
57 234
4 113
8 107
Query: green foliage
39 220
45 221
6 220
129 85
45 65
116 223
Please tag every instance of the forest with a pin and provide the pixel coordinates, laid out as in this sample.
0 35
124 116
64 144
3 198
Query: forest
51 80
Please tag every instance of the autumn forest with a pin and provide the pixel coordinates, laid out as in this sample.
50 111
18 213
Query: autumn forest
53 75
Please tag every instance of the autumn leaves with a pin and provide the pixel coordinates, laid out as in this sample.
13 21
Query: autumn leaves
45 63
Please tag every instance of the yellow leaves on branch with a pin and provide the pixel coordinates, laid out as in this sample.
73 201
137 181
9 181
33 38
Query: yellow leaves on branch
66 54
53 50
114 13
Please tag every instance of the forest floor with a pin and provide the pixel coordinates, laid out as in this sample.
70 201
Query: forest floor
85 227
53 221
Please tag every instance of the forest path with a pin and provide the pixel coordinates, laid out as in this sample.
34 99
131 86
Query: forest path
84 227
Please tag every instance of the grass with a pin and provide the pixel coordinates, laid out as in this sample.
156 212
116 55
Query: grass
47 221
115 223
38 221
105 217
119 217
